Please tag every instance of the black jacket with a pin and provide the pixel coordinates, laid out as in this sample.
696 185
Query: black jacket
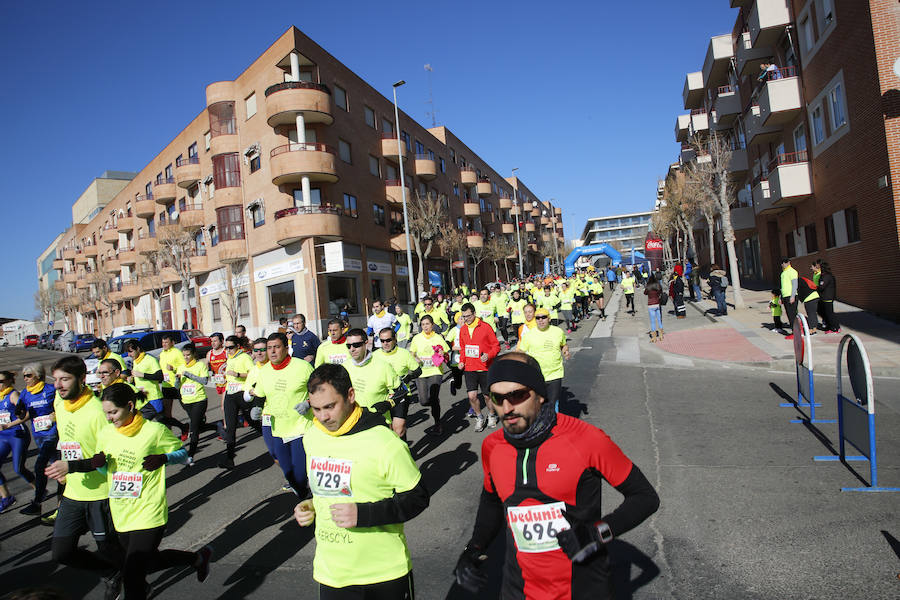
827 287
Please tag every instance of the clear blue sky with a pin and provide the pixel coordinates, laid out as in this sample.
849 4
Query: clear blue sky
580 96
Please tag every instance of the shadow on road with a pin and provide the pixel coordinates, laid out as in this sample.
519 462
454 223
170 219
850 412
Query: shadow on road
570 405
438 470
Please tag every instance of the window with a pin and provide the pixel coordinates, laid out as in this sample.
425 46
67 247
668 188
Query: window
169 178
826 13
800 138
386 126
258 214
818 126
255 163
456 189
392 172
213 236
350 205
807 37
342 292
315 197
344 151
216 309
243 304
405 137
374 166
459 223
789 244
340 97
226 170
420 147
148 190
830 241
812 243
206 138
851 217
230 223
443 166
250 104
221 119
396 222
282 301
836 107
370 117
379 214
192 150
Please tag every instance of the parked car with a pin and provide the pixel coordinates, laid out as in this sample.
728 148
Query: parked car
150 341
51 342
4 342
200 340
31 340
64 341
45 342
82 342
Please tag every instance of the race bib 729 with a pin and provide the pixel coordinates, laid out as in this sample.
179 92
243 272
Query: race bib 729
330 476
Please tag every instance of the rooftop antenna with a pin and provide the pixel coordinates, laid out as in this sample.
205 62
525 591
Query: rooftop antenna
431 97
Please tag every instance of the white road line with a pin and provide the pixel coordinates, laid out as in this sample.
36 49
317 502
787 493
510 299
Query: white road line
670 359
604 328
628 350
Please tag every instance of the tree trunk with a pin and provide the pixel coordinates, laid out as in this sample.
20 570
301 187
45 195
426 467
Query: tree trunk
728 237
496 271
421 269
506 268
711 233
450 266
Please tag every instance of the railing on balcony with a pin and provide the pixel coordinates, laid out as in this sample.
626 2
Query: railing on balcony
392 183
388 136
780 73
141 198
725 89
301 147
296 85
698 111
424 157
325 209
164 180
789 158
145 234
190 160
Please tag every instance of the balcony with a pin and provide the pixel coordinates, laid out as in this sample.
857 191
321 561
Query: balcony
693 90
790 179
768 20
699 122
112 266
224 143
743 218
505 203
125 224
80 258
780 99
546 237
726 106
756 131
69 253
187 171
301 222
147 244
484 188
81 283
390 148
59 285
471 209
228 196
688 153
474 239
508 228
165 190
426 167
191 218
533 246
516 210
144 207
393 192
739 164
127 257
762 201
232 251
530 226
200 264
169 276
131 289
682 124
468 176
70 277
284 100
59 264
535 211
718 57
291 162
115 292
557 211
111 235
748 58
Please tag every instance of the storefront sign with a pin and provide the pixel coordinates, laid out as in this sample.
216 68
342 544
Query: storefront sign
335 261
221 286
402 271
378 267
277 270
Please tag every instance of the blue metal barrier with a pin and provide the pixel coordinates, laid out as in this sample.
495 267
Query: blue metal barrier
803 362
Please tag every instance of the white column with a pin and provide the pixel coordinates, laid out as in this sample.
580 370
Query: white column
304 186
295 66
301 139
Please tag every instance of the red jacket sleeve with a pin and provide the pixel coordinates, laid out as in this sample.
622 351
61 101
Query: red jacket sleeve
490 341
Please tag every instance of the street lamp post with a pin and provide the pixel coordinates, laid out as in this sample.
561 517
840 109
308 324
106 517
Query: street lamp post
516 204
409 264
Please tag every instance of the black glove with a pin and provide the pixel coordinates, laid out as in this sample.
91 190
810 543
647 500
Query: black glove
98 460
468 570
580 541
154 461
21 411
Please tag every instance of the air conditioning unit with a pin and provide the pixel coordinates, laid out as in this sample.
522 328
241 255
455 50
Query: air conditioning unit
208 179
251 150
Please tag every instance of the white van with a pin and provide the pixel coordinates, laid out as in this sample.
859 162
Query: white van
64 340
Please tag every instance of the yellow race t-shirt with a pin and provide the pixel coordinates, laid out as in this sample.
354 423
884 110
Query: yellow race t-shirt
372 381
192 391
173 357
422 348
546 348
399 358
239 363
147 365
331 353
284 388
78 433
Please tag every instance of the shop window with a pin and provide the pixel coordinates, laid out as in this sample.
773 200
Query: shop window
342 295
282 301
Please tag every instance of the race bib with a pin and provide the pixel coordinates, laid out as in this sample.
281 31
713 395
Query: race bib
126 485
219 379
330 477
70 450
233 387
485 314
517 313
42 423
535 527
189 389
267 420
472 351
337 359
427 362
5 418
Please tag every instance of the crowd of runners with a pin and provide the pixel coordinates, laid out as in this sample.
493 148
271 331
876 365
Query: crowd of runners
333 416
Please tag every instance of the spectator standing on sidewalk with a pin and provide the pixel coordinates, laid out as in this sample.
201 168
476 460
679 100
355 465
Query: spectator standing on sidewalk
808 294
688 271
696 294
653 291
775 307
676 291
827 289
718 282
789 283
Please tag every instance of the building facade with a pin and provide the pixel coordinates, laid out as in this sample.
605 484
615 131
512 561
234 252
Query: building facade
805 95
622 232
284 195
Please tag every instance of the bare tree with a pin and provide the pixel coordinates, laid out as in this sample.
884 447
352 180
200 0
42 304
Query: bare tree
681 201
477 254
495 251
177 243
427 215
664 227
150 270
452 242
47 301
99 293
231 295
716 180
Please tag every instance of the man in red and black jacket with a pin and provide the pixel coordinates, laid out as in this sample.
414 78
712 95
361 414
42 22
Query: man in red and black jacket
478 345
542 476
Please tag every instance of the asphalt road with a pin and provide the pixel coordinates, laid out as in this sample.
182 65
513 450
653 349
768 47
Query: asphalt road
745 512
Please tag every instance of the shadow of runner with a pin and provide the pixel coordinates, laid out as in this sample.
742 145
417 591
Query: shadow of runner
570 405
492 567
438 470
622 556
71 583
452 421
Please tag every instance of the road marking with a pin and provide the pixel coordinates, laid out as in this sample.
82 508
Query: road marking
628 350
670 359
604 328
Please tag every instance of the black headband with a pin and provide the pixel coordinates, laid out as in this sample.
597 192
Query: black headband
518 372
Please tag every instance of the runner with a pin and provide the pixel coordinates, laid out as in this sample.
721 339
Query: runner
404 327
479 346
192 378
170 358
405 366
379 319
546 343
500 300
360 498
596 290
375 381
529 324
109 371
334 349
14 437
215 359
131 457
236 370
441 320
556 531
36 403
550 301
516 310
628 290
485 309
85 503
431 351
147 377
281 382
567 305
102 352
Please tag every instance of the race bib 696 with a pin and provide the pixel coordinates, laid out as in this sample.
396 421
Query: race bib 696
535 527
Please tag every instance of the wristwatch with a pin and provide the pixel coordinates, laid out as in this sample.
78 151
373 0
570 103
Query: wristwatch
605 532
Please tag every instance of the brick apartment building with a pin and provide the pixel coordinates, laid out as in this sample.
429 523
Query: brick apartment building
815 138
288 183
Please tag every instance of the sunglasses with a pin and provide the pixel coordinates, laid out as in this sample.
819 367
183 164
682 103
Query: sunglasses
259 349
383 340
104 372
230 347
355 344
542 317
27 375
514 397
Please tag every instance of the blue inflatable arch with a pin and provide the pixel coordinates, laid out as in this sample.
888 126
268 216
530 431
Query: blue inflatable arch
614 255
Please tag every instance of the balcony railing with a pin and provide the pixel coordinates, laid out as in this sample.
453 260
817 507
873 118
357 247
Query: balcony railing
389 136
141 198
725 89
302 147
296 85
325 209
781 73
164 180
190 160
789 158
392 183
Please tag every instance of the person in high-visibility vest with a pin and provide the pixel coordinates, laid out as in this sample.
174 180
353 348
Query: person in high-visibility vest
628 289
